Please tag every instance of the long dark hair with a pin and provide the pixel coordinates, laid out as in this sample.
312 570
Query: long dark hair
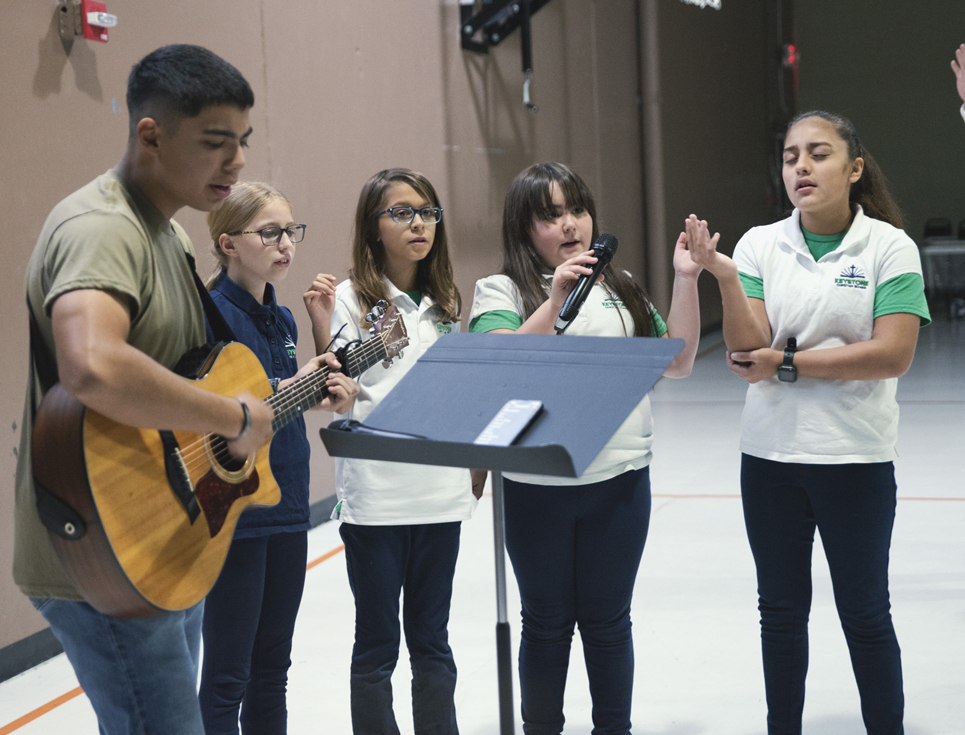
530 199
434 272
871 190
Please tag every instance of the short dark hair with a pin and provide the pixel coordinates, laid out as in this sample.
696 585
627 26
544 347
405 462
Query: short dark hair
179 81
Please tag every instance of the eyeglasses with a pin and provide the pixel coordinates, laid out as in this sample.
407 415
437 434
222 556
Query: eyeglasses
405 215
271 235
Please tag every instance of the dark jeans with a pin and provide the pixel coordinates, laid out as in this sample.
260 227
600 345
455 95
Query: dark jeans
575 551
853 506
249 619
418 561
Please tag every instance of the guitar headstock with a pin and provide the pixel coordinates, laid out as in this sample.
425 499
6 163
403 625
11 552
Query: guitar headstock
388 326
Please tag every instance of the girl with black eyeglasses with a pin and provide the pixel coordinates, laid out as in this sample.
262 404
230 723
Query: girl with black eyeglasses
400 522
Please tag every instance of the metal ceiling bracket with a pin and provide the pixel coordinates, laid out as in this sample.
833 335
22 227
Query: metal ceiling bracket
485 23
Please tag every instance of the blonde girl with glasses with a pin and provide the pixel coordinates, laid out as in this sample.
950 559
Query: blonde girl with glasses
400 522
249 615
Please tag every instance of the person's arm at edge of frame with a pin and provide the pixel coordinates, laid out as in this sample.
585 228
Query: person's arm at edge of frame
683 319
958 66
98 367
746 326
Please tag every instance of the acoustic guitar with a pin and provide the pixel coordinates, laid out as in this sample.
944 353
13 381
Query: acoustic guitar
158 509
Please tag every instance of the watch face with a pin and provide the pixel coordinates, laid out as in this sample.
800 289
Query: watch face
786 373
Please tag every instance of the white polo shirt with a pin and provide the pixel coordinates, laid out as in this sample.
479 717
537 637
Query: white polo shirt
375 493
823 304
602 315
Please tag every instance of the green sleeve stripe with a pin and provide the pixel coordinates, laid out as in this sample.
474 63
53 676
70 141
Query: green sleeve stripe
753 286
659 325
491 320
904 294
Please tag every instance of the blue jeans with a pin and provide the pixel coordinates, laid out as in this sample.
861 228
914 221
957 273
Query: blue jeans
140 675
853 506
575 551
249 620
420 562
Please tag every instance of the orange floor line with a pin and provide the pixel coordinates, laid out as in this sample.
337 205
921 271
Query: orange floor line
53 704
40 711
319 560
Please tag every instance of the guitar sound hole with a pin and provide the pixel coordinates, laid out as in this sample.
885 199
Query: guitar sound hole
219 448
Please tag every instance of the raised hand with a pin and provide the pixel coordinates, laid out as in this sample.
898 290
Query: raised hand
683 262
958 66
320 299
703 248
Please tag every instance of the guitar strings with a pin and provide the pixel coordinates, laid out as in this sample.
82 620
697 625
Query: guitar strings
308 386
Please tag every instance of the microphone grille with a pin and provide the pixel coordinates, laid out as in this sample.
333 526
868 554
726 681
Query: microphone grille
606 242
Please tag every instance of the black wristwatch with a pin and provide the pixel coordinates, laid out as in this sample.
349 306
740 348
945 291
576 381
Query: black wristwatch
786 372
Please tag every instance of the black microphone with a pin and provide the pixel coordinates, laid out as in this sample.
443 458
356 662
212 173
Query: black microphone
604 249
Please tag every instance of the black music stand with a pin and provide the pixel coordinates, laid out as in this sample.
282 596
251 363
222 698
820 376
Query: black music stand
587 385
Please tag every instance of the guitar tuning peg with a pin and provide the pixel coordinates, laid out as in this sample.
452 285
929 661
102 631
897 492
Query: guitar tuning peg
369 318
387 363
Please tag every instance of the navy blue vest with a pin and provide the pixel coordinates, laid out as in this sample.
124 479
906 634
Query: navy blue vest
269 330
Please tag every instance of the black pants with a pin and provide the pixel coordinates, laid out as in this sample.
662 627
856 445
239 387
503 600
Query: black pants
575 551
853 506
249 620
419 561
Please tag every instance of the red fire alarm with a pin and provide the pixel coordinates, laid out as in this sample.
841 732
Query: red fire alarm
96 20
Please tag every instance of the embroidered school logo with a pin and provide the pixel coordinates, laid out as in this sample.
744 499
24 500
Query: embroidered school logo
613 303
444 328
290 345
851 277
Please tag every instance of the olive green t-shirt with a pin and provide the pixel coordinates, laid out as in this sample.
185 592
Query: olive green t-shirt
106 236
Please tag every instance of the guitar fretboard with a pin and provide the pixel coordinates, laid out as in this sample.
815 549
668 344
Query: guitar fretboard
310 390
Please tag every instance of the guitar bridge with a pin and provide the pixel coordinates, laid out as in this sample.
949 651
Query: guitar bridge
178 478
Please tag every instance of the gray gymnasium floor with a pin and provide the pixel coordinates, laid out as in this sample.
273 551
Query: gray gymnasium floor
695 618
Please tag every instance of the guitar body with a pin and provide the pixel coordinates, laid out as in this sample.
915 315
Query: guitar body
151 513
142 552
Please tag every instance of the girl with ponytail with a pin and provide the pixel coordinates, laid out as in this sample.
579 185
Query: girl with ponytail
821 317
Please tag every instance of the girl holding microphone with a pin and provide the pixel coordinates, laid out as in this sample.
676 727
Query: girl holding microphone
576 544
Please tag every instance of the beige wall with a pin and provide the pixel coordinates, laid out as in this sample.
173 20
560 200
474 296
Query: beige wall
342 90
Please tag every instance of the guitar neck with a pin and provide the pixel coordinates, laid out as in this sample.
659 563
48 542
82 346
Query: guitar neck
310 390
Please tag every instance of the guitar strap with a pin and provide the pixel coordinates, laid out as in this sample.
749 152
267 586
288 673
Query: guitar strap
191 362
222 332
